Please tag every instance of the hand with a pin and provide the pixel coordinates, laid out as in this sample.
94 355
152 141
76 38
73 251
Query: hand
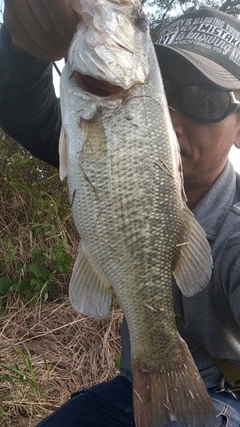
43 28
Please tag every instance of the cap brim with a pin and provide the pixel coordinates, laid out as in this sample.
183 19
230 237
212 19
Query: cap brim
210 69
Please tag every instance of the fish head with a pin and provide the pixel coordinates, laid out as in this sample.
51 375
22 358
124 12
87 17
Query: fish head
111 42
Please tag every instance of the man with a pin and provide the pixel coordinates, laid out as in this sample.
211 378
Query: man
199 59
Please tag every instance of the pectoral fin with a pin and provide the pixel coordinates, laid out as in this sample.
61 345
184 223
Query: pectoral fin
88 291
194 266
62 155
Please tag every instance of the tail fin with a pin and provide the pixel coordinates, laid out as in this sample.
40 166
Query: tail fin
174 395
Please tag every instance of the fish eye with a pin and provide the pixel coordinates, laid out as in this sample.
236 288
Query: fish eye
142 24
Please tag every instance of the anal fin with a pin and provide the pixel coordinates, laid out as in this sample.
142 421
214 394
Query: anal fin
62 155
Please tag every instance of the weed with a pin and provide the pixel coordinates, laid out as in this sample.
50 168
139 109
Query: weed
37 237
21 373
47 350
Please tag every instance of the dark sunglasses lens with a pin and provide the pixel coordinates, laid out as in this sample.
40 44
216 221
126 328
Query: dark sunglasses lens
204 105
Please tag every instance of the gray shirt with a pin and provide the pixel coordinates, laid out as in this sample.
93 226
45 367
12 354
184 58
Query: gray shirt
212 317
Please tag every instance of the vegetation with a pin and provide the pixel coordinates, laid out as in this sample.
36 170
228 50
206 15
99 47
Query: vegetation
161 12
47 349
37 236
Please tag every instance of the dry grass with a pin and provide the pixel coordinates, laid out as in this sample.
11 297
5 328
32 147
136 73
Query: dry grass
47 350
67 352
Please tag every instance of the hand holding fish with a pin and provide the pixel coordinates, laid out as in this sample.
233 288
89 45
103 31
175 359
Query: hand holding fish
41 27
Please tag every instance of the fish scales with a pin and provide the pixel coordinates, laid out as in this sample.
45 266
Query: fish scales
124 175
127 206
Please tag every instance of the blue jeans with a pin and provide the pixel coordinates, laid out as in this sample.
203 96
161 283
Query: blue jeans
109 404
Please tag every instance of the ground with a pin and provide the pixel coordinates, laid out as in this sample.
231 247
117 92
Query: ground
46 352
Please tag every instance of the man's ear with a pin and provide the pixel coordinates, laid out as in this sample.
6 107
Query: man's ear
237 139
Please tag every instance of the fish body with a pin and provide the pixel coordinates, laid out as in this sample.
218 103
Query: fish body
121 157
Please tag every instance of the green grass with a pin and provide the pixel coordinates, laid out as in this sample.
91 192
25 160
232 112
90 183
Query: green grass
37 236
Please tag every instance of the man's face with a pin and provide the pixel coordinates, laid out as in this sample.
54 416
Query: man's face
204 146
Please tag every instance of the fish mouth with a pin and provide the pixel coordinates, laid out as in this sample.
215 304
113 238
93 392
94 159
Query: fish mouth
94 86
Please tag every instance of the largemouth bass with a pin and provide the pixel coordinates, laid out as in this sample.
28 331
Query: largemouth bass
121 157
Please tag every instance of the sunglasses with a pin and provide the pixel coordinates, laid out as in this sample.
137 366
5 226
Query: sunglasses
201 103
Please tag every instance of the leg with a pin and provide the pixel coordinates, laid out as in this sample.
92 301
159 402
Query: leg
104 405
227 410
110 405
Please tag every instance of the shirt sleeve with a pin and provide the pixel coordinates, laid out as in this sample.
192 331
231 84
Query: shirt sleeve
29 108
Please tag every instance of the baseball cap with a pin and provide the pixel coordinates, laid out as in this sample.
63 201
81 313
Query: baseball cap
208 39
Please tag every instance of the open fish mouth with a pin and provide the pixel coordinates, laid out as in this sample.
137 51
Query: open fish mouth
95 86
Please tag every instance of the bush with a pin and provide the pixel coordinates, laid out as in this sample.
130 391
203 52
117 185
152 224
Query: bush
37 236
46 350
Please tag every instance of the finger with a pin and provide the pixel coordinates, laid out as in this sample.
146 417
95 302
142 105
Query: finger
65 19
45 21
76 5
28 34
21 38
30 23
